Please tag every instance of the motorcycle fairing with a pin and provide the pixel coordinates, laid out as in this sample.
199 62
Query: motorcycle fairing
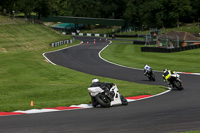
117 99
95 90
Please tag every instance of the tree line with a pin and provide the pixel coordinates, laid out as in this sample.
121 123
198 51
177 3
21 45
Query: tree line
148 13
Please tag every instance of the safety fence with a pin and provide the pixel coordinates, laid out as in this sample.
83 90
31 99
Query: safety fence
55 44
89 34
108 35
169 50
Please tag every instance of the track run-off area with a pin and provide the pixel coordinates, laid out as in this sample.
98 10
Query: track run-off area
171 112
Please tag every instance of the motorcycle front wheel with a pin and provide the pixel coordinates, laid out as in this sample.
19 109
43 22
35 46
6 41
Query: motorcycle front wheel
102 100
152 77
94 102
178 85
124 101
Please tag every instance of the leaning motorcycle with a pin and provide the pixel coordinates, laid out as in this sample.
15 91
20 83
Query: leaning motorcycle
150 75
100 97
176 81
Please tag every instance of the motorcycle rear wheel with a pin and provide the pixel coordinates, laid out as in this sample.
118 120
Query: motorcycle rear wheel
151 76
102 100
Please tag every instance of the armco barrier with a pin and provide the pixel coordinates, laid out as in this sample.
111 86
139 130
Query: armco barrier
106 35
124 35
89 34
62 42
169 50
136 35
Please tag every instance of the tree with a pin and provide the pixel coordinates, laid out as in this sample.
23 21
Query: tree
8 5
84 8
152 13
61 8
112 9
195 12
131 12
98 8
179 8
42 8
26 6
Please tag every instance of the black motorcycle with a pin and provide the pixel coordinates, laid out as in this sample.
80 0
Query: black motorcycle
150 75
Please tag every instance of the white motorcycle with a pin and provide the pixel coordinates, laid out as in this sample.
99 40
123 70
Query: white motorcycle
100 97
175 81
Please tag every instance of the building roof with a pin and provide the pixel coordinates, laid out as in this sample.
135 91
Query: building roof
181 36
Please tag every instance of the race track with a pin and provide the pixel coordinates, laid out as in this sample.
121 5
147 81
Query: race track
172 112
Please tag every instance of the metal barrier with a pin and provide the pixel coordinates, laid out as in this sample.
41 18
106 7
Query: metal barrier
89 34
55 44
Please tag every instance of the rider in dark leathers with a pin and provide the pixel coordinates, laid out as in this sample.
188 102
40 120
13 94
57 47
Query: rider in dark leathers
103 85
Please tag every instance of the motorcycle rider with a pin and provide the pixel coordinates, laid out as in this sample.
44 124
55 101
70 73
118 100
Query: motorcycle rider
103 85
166 74
147 68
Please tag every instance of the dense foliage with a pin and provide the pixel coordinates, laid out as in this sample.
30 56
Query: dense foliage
150 13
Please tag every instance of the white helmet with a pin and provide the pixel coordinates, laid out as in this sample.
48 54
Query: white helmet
165 70
95 80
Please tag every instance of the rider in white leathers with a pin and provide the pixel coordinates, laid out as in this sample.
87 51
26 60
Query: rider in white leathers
147 68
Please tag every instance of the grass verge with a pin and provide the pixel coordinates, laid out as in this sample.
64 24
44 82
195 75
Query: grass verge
131 55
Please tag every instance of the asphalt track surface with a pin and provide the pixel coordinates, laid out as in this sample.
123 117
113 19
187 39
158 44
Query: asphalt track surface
172 112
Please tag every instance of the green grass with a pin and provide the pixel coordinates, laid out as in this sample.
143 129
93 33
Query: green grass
5 20
32 38
191 28
26 76
197 131
131 55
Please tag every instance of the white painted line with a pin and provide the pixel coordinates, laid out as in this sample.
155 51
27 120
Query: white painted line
112 62
48 59
189 73
56 51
